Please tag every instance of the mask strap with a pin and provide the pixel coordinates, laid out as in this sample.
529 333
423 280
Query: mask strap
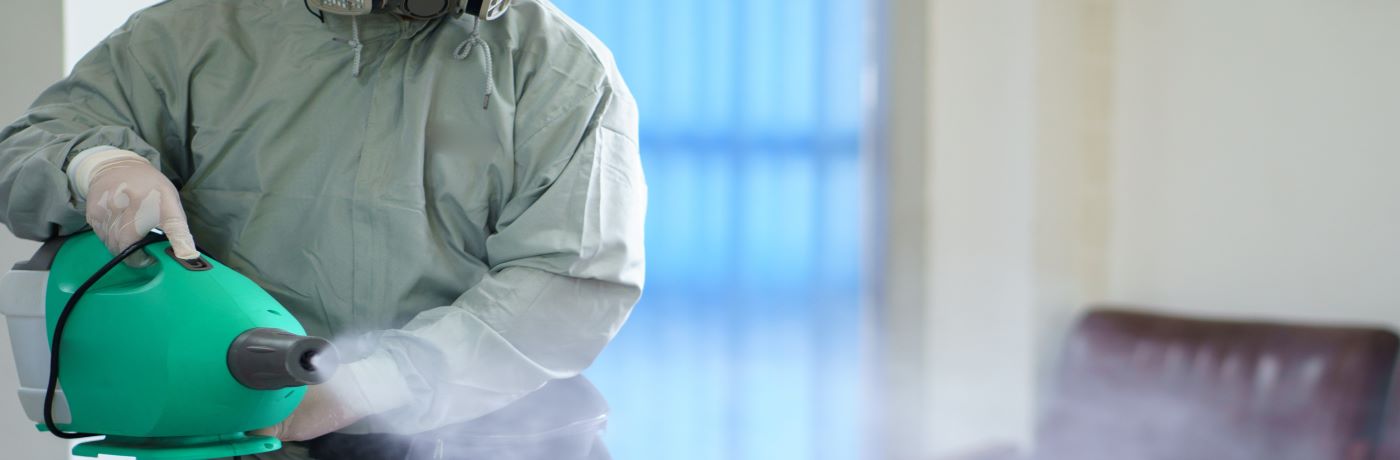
318 14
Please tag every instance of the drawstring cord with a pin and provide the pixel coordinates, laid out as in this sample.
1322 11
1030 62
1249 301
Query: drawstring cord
464 51
355 44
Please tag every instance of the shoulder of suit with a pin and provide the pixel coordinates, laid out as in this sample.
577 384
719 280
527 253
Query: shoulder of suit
543 35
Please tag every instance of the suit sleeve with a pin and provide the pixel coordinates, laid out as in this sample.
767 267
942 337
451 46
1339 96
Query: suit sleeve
109 100
567 267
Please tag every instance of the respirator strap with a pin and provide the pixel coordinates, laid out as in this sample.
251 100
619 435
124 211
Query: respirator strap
473 7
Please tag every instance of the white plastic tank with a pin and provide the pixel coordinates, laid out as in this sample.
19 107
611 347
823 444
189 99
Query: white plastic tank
22 303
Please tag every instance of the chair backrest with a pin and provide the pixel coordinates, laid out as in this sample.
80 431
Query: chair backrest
1146 387
1390 433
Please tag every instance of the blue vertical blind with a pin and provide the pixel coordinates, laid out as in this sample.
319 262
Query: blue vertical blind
745 344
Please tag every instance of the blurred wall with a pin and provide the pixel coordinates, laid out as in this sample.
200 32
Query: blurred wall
87 22
980 176
1213 157
43 39
32 34
1256 159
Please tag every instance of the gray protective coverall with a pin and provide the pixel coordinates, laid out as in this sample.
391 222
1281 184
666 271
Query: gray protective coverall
465 254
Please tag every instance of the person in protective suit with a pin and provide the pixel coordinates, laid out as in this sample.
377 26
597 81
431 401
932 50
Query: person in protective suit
453 194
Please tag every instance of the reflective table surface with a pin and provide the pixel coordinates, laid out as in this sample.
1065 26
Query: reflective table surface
564 420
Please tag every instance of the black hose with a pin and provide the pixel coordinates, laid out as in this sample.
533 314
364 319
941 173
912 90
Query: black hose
62 322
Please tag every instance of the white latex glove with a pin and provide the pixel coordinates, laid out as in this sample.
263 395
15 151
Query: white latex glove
126 198
321 411
357 390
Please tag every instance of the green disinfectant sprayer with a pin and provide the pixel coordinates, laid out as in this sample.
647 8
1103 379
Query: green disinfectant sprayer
173 360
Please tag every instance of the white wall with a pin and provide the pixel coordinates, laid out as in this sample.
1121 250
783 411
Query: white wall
1257 158
28 69
980 272
87 22
42 40
898 403
956 325
1215 157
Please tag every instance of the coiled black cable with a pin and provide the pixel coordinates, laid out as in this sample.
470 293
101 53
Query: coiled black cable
62 322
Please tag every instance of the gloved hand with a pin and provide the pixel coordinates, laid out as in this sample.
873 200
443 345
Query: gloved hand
342 401
323 410
126 198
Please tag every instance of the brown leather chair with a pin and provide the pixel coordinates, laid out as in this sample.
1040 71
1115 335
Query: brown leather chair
1136 386
1390 435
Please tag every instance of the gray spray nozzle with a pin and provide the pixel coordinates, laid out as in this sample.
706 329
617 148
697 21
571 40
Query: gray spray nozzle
269 359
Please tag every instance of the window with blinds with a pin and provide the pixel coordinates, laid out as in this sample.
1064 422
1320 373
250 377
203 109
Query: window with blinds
746 342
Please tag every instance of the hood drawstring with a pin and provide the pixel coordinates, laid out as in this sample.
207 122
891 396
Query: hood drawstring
464 51
356 45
